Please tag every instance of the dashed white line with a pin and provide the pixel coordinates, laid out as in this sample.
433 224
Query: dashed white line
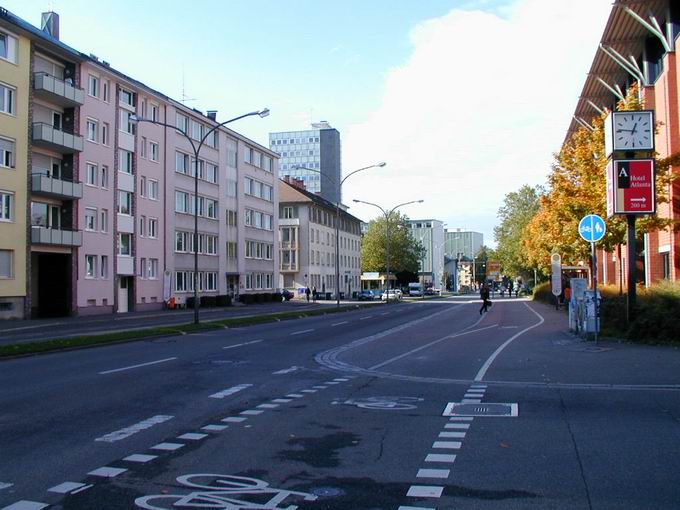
268 406
26 505
308 391
433 473
471 401
251 412
385 313
447 445
301 332
461 418
341 379
215 428
286 370
452 435
139 457
339 323
414 508
66 487
107 472
230 391
425 491
319 387
4 485
137 366
169 447
234 419
294 395
366 317
192 436
244 343
133 429
459 426
440 457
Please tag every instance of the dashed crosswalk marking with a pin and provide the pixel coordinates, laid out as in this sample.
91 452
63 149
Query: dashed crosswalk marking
440 457
433 473
251 412
215 428
461 418
234 419
471 401
140 457
282 400
447 445
268 406
459 426
341 379
414 508
295 395
118 435
170 447
67 487
107 472
192 436
230 391
425 491
26 505
308 391
452 435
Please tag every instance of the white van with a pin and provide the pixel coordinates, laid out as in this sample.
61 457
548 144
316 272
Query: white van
415 289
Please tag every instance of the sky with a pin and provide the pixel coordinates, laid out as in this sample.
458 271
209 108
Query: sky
465 100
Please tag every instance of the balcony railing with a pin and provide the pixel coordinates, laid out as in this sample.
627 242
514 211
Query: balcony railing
289 267
57 91
56 236
49 137
43 183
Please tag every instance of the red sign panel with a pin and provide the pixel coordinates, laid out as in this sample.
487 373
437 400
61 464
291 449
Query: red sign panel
631 187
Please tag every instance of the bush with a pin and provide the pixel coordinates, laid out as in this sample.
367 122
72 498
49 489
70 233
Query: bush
277 297
208 301
223 300
190 302
543 293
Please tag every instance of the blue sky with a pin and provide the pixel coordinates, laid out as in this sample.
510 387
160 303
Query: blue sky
465 100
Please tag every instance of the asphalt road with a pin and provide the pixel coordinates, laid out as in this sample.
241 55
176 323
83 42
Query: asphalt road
346 412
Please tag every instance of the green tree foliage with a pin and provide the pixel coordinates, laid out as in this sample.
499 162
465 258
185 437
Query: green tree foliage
405 251
519 207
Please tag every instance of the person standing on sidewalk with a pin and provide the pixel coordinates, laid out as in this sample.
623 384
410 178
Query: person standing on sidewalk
307 293
510 289
484 294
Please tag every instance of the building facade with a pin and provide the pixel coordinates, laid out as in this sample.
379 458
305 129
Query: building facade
462 243
316 149
307 243
105 204
430 233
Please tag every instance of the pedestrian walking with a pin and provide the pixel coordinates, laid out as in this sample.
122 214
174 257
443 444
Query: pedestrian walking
314 293
484 294
307 293
510 289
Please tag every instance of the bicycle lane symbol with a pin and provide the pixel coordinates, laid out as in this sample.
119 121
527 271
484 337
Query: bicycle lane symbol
384 403
224 492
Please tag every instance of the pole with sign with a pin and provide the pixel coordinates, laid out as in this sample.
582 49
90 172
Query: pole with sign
592 228
556 277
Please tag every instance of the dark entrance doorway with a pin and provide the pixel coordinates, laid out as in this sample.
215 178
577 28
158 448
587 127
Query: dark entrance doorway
50 284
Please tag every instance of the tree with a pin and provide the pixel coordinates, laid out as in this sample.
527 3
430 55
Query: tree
482 257
405 251
518 208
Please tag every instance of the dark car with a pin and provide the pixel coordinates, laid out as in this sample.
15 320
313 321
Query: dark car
365 295
286 295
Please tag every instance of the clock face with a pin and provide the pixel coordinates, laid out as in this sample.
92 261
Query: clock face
633 131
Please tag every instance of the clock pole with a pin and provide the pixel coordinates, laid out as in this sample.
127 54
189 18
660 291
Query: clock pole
632 270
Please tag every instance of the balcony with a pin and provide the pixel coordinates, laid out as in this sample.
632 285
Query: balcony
54 90
54 139
289 268
44 184
56 236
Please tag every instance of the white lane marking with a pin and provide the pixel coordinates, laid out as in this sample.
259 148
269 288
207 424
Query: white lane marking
139 457
447 445
66 487
402 507
133 429
478 386
308 391
413 351
459 426
234 419
230 391
366 317
251 412
192 436
286 370
433 473
341 379
33 327
4 485
26 505
215 428
319 387
332 382
385 313
107 472
440 457
425 491
268 406
473 395
244 343
282 400
169 447
482 371
476 391
452 435
294 395
136 366
470 401
461 418
301 332
339 323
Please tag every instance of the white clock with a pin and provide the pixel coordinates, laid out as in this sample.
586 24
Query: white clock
632 130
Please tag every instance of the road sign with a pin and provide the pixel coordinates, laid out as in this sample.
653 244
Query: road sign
556 270
592 228
631 187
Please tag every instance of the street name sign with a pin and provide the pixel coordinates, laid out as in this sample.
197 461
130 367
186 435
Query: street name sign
592 228
631 187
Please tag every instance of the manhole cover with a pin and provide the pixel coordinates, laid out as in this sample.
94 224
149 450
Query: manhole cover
488 409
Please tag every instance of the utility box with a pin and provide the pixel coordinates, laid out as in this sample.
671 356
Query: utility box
592 322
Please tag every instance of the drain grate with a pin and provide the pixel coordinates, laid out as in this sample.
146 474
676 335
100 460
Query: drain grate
487 409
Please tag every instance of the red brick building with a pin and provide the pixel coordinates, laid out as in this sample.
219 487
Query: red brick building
639 45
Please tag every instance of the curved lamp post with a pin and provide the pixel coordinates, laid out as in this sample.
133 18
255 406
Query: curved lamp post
387 232
337 218
197 149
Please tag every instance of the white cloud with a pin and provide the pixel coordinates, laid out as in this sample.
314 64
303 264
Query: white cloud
476 111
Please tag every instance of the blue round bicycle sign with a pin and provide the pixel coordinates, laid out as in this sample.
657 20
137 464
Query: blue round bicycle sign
592 228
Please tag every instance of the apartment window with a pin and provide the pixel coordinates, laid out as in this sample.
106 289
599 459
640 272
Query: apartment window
153 112
211 208
126 123
93 86
181 202
210 281
153 151
153 269
181 162
142 147
211 141
231 218
257 160
180 241
105 177
124 244
6 153
231 250
91 177
8 48
125 163
142 268
6 263
90 219
287 212
6 206
105 90
105 133
231 158
90 266
248 155
104 220
181 281
7 95
153 189
267 163
142 108
196 130
142 186
142 226
666 265
211 173
231 188
104 267
127 97
125 202
153 228
182 123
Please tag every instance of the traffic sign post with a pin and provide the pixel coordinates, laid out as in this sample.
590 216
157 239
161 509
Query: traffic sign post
592 229
556 277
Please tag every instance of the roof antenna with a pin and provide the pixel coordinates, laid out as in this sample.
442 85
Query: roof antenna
185 98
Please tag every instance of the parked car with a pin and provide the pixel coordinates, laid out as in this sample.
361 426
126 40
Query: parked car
392 295
286 295
429 291
365 295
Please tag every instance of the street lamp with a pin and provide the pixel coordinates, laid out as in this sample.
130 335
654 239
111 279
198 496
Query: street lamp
337 218
387 234
197 149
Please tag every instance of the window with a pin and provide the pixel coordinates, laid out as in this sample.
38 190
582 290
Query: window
105 133
182 123
125 163
105 90
125 244
210 281
287 212
90 219
153 189
211 173
231 249
211 208
104 220
6 206
8 48
91 177
153 112
90 266
104 267
93 86
125 202
181 162
142 226
181 202
142 148
7 95
180 281
153 151
127 97
267 163
142 186
105 177
180 241
6 153
231 188
126 123
153 228
257 160
666 265
6 263
231 218
248 155
196 130
211 140
153 269
142 108
142 268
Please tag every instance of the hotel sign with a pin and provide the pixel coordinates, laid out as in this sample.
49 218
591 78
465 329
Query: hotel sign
631 187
